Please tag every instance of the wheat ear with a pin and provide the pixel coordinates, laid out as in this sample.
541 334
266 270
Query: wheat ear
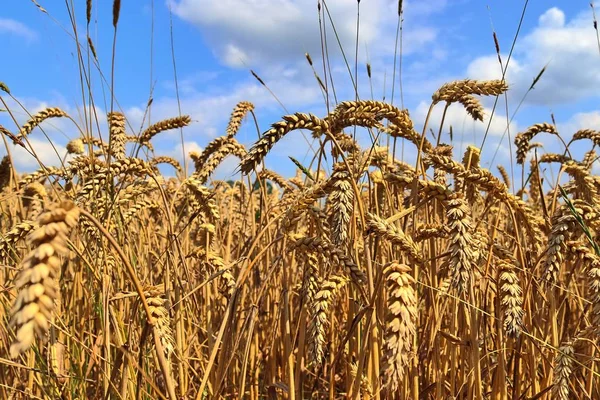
562 223
230 146
592 267
563 367
590 134
472 106
462 245
400 323
238 114
4 172
155 297
388 231
214 146
318 323
167 160
335 254
290 122
522 139
341 203
33 197
588 159
164 125
52 112
511 298
504 174
36 285
17 232
116 123
76 146
454 91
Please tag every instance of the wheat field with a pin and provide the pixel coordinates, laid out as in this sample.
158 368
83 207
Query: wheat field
373 278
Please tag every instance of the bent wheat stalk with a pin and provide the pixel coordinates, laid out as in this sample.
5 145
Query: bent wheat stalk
160 352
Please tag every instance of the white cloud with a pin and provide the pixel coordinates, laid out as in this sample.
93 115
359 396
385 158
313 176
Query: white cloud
267 29
228 169
271 37
189 146
13 27
570 51
49 154
234 56
553 18
251 33
581 120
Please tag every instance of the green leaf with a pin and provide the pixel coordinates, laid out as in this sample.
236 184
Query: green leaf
302 168
580 220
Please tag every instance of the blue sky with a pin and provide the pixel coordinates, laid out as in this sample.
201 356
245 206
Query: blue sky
218 42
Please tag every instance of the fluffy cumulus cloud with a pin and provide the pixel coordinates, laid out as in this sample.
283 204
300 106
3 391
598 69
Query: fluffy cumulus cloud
271 37
188 147
46 152
581 120
258 32
10 26
568 48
